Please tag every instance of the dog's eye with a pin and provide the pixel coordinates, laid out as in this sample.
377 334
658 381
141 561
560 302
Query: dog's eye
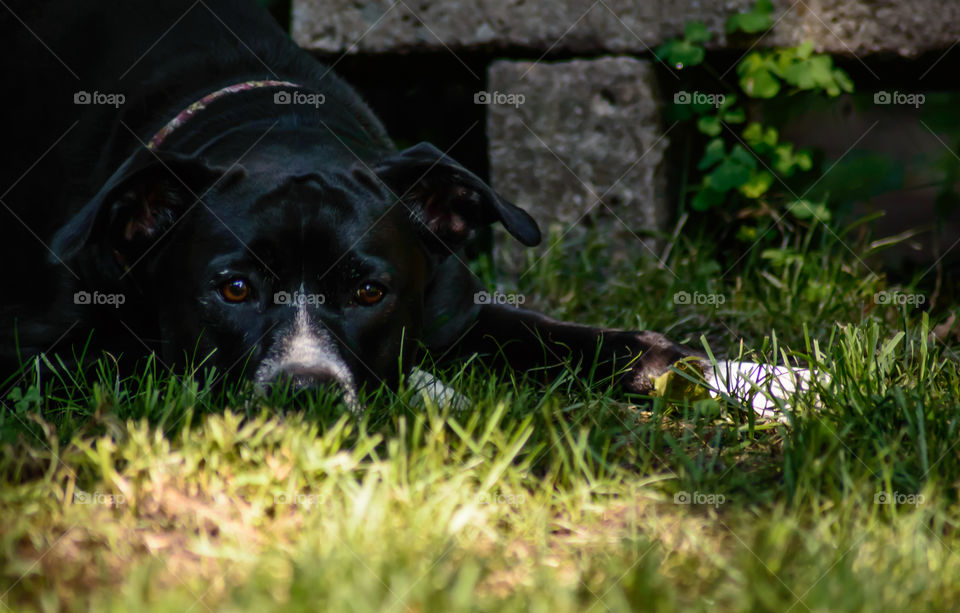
235 290
369 294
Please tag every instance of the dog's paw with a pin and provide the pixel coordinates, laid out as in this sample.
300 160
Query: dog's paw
641 358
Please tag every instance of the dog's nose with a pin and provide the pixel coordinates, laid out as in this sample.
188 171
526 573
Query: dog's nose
303 377
331 379
299 378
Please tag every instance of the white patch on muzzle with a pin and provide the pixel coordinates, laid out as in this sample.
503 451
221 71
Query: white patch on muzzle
308 350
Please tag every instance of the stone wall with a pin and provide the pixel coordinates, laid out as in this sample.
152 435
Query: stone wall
614 26
581 145
581 142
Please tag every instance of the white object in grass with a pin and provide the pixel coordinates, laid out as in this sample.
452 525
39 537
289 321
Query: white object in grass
428 388
766 388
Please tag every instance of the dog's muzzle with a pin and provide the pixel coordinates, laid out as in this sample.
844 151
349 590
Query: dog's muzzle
306 357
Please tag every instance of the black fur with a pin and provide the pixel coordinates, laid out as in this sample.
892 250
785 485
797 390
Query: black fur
282 196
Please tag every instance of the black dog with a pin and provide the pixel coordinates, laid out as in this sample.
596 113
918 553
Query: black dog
180 178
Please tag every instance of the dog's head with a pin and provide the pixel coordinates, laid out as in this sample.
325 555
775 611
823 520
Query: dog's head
287 268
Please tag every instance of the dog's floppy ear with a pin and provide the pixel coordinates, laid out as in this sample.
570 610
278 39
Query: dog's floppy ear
137 205
447 201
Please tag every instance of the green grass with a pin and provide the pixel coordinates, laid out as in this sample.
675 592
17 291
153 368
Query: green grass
158 493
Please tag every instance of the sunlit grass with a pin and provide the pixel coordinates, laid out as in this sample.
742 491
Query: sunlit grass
164 492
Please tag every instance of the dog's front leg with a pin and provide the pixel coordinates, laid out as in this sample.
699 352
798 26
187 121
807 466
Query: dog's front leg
525 339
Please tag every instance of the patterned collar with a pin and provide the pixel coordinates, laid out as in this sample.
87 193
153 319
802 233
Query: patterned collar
186 114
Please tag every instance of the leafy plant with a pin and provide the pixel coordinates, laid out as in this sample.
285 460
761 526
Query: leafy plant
757 20
745 165
686 51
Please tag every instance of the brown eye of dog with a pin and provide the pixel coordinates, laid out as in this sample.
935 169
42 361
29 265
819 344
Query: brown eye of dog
235 290
369 294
